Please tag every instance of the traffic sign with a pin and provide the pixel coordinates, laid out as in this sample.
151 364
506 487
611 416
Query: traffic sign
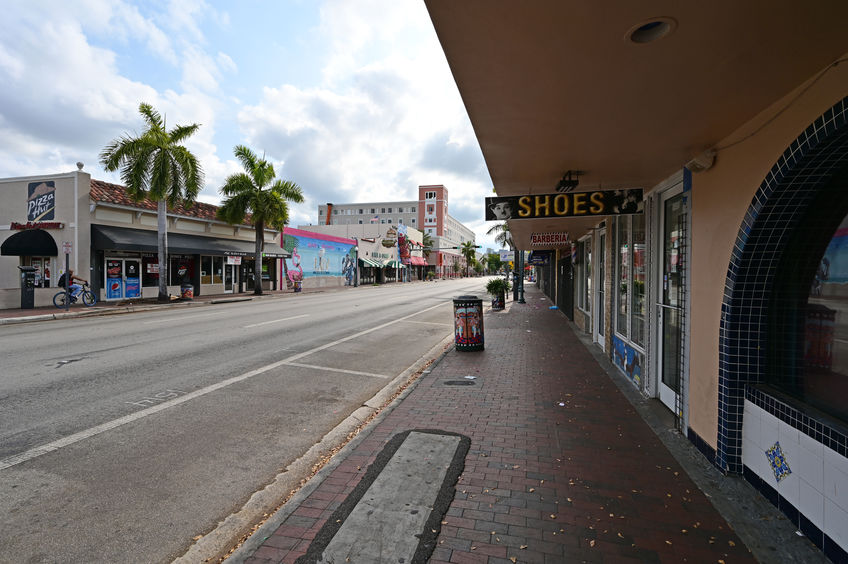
67 247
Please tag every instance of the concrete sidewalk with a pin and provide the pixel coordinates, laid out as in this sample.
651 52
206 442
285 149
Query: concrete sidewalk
566 461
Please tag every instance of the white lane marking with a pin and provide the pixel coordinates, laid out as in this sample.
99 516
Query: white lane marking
181 317
274 321
115 423
343 371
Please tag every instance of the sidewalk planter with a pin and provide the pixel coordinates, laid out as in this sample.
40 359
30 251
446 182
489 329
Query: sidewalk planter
497 288
468 323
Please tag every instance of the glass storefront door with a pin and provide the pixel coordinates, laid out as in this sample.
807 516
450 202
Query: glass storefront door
230 277
123 278
671 299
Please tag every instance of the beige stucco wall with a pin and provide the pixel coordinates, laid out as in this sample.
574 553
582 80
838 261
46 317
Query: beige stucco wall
71 209
720 198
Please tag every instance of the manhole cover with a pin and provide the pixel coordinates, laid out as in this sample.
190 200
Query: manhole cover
459 383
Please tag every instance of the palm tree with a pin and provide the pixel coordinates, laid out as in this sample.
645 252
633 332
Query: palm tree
503 237
256 192
427 243
467 250
155 165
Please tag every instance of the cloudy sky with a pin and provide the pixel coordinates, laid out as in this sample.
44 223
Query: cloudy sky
351 99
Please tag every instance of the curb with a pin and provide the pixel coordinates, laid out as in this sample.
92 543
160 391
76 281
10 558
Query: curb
219 540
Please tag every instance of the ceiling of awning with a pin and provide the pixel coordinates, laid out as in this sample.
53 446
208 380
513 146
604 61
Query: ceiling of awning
557 85
30 243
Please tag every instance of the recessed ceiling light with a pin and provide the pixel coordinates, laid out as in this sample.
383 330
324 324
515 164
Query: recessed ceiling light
650 30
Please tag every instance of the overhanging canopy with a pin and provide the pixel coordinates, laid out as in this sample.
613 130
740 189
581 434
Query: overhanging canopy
369 263
559 85
30 243
110 238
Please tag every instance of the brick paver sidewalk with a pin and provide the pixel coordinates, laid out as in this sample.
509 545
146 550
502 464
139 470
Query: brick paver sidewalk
561 467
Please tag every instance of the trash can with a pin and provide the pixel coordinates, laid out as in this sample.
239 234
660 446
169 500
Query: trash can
468 323
298 285
27 287
187 292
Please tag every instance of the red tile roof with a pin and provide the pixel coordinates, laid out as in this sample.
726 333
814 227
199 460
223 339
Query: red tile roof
116 194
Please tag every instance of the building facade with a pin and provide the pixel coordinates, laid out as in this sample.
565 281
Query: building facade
428 214
111 240
384 253
721 293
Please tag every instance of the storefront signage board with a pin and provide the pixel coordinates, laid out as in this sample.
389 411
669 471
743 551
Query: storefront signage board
549 239
570 204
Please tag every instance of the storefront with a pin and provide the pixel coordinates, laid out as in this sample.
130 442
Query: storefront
111 241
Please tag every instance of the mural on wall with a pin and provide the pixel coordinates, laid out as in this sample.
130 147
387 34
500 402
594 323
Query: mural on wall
403 245
628 359
316 255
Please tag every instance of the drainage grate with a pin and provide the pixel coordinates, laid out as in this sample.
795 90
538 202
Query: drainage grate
459 383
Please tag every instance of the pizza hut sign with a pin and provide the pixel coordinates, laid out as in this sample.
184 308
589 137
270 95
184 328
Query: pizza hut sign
41 200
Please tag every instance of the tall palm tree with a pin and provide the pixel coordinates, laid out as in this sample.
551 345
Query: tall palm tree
467 250
155 165
256 192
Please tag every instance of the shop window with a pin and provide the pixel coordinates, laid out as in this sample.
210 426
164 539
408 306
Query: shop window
622 268
808 310
584 275
206 270
217 270
638 276
181 270
149 271
43 273
630 270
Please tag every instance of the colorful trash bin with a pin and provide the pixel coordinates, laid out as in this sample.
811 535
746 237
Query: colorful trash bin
187 292
468 323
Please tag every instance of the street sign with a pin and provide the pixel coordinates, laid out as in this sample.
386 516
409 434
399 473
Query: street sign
67 247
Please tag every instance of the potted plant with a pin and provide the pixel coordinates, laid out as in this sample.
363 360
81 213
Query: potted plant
497 288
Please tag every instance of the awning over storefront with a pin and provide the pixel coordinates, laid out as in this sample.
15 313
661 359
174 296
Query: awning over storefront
30 243
110 238
417 261
370 263
394 264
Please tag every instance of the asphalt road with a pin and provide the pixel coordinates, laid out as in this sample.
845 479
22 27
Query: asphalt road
123 437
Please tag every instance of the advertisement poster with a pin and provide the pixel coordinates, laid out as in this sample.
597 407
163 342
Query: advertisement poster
133 282
114 282
314 255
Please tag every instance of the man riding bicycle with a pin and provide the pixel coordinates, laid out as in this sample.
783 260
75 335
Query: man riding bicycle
71 278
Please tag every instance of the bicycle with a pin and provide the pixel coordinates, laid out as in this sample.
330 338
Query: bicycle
88 297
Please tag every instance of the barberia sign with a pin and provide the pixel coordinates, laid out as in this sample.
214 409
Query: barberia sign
37 225
549 239
570 204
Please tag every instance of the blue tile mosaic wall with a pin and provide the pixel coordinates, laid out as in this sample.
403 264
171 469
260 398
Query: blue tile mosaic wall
782 198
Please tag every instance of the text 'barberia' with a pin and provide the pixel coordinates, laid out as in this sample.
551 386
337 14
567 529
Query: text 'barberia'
571 204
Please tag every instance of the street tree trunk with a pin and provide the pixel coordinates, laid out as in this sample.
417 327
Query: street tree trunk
162 244
257 266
